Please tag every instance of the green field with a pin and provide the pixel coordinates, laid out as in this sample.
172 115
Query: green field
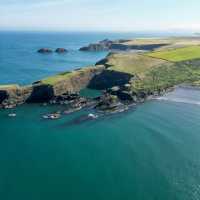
177 55
52 80
57 78
132 63
158 73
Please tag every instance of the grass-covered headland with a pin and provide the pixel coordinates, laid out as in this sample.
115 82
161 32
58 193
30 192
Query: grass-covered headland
147 72
160 69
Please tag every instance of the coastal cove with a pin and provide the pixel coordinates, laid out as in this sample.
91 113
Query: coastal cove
150 151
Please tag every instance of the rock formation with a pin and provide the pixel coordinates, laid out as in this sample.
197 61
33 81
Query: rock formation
120 45
61 50
45 50
44 92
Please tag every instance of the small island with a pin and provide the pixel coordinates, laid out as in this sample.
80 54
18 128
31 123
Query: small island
136 71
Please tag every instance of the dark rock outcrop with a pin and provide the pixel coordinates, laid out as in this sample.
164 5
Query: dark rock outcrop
108 79
103 45
61 50
110 104
107 101
124 93
15 95
119 45
3 95
95 47
40 92
45 51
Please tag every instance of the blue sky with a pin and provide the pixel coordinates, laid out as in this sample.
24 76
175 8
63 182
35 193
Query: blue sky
100 15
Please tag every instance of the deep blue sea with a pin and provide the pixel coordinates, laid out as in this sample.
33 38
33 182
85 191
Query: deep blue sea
151 152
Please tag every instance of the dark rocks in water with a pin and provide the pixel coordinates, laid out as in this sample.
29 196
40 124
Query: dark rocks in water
110 104
73 102
65 98
123 93
61 50
45 50
103 45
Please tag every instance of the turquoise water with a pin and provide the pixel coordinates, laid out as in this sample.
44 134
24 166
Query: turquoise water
150 152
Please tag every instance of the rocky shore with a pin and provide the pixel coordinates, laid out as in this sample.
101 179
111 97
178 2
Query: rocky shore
127 78
120 45
47 89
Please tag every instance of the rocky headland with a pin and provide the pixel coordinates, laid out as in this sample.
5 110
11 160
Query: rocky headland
127 78
121 45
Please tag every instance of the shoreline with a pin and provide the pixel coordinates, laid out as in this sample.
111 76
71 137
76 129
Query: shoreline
120 83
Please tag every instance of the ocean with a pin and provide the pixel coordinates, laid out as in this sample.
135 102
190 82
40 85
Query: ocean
150 152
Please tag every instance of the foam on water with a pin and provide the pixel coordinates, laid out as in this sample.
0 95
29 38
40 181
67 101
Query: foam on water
183 95
179 100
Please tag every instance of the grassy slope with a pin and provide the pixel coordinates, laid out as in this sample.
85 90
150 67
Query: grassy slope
177 55
166 76
57 78
133 63
173 42
52 80
155 74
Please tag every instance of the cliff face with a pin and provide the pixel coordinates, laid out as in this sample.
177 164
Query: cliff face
41 92
14 95
79 80
108 79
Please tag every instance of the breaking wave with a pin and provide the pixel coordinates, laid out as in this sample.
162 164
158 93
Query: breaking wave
179 100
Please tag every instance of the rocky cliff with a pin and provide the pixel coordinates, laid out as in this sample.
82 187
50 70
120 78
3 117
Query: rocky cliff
42 91
120 45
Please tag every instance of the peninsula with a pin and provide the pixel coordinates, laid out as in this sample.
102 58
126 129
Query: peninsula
133 71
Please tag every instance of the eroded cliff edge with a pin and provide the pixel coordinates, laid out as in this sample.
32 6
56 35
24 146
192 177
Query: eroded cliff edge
44 90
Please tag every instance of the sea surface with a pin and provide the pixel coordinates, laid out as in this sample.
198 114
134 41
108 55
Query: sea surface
151 152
